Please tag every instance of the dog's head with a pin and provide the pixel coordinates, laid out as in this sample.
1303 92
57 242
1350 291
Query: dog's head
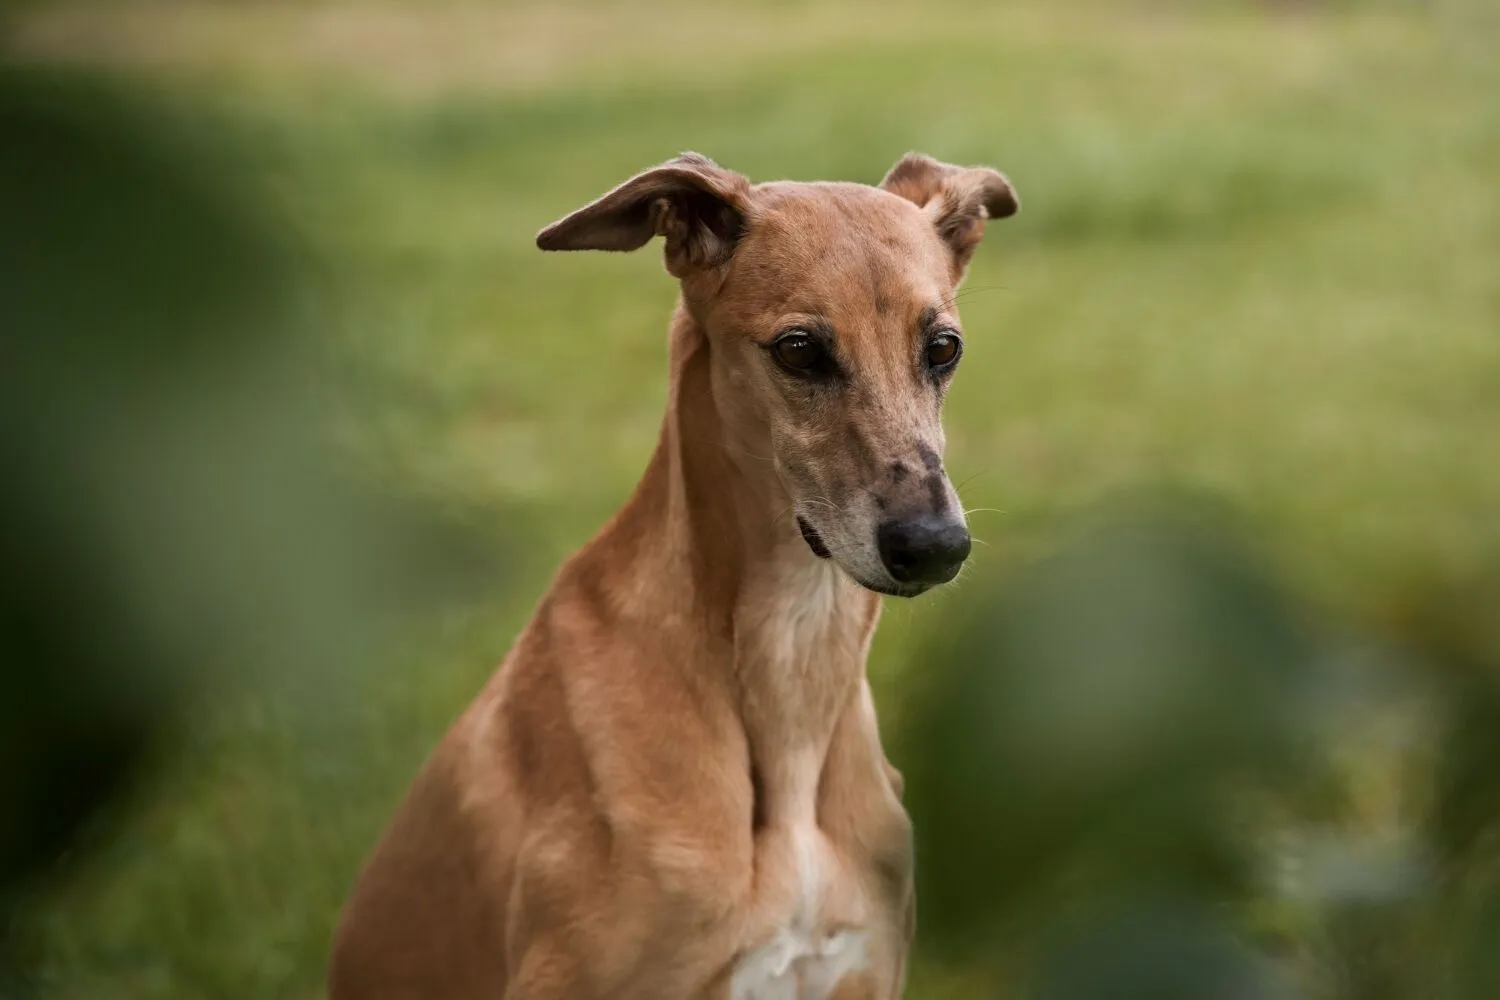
829 311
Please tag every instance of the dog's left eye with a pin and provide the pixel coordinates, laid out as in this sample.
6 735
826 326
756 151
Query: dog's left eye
799 352
943 350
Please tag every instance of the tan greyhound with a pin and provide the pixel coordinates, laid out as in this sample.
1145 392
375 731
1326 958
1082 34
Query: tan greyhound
674 788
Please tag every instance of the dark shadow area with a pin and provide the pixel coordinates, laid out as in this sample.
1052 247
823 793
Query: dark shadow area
1129 776
173 526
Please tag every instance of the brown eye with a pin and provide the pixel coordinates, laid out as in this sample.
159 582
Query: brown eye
943 350
798 352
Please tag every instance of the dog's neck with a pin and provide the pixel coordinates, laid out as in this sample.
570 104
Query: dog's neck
714 548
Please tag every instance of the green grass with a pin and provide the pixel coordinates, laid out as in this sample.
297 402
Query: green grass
1258 254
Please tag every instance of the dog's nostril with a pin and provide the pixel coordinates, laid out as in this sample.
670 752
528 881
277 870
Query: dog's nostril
925 549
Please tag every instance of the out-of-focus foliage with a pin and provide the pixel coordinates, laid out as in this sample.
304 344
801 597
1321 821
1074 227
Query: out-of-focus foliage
172 519
1090 728
1116 751
1147 950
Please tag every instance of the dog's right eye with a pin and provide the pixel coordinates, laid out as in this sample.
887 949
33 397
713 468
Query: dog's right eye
799 352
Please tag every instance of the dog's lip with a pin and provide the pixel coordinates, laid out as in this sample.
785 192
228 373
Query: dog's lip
813 539
893 589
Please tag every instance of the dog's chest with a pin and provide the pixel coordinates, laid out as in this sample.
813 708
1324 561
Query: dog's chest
811 951
798 656
802 659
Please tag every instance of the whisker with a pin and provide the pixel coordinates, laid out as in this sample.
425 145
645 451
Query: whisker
729 449
747 454
972 289
966 570
967 290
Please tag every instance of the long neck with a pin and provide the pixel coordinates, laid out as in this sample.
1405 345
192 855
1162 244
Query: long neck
710 516
681 546
707 543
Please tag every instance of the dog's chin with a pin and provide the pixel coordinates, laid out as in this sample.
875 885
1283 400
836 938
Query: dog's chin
890 588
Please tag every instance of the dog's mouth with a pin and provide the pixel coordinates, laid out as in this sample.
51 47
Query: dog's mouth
813 539
820 549
895 589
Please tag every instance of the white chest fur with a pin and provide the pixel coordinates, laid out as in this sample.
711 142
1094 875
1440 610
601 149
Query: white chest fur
804 959
800 610
803 652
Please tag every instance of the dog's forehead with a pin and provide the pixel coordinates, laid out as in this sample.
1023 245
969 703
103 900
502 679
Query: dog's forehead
829 216
827 244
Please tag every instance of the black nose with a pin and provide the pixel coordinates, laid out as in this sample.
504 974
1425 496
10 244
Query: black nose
923 549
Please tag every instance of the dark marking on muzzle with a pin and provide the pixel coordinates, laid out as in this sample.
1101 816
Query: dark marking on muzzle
898 472
931 459
859 450
937 490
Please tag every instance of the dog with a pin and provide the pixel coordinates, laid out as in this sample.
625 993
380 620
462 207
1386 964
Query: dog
674 788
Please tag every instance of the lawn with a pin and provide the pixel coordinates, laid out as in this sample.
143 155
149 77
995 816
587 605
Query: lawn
1259 254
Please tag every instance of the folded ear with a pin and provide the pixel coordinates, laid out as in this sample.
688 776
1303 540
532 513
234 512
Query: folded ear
696 204
957 199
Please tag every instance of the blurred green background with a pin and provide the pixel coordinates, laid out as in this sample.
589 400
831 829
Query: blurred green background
1259 260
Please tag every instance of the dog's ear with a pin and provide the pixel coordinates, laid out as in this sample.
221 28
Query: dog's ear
957 199
696 204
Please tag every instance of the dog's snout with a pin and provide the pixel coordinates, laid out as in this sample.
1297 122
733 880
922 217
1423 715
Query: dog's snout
926 549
